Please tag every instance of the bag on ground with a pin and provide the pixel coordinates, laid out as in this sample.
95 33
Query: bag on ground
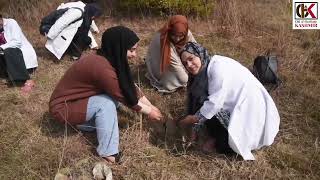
265 68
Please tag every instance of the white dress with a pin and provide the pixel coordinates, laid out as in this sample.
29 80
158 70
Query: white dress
16 39
254 120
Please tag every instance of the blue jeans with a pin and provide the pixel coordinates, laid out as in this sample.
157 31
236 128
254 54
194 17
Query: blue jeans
102 117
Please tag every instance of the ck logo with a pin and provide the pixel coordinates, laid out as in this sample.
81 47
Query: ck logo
305 14
306 10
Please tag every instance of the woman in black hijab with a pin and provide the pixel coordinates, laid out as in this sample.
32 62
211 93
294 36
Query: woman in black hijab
115 43
88 93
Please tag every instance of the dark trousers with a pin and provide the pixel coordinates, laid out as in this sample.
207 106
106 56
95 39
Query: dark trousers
80 42
12 66
216 130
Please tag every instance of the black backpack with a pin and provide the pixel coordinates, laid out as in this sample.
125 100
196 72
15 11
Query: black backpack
50 19
265 69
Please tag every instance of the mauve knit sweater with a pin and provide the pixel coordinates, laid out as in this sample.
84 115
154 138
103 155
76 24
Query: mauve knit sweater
90 75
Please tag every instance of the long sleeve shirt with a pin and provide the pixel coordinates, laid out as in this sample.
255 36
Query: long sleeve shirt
90 75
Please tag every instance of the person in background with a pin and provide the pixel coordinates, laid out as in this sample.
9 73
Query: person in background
225 97
18 59
71 32
89 92
165 70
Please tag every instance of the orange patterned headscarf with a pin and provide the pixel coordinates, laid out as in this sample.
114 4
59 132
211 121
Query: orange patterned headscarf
177 24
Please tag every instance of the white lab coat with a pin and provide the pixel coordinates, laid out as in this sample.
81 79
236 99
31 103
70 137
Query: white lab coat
254 120
16 39
61 33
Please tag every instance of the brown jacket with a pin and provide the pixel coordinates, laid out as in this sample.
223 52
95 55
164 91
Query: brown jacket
90 75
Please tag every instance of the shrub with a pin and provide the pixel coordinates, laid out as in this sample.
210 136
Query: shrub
239 17
168 7
30 11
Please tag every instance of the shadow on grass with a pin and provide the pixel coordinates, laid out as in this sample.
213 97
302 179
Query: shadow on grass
51 128
42 52
175 141
45 54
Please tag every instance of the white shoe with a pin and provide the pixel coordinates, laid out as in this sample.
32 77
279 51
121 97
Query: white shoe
75 57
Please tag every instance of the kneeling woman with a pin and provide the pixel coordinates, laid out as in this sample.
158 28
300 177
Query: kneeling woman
234 106
88 93
165 71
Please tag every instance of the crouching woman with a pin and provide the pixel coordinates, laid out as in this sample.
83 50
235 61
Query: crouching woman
88 93
229 101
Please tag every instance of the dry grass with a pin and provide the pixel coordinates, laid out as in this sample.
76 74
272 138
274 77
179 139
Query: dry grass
33 146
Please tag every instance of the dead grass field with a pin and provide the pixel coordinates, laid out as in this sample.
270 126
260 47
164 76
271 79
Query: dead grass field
33 146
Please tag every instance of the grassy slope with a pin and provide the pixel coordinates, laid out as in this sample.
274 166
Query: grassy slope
32 145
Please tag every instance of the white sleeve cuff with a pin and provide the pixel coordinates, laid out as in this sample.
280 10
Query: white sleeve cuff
145 109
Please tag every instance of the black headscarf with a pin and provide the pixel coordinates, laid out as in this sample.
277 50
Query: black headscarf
1 28
197 84
90 10
114 45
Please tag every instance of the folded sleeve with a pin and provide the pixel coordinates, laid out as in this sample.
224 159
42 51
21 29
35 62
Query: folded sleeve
94 27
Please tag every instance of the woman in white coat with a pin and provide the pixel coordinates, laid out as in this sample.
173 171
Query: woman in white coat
72 30
17 56
225 97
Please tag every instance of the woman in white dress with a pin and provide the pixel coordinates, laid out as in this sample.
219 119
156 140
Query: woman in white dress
224 96
165 71
18 59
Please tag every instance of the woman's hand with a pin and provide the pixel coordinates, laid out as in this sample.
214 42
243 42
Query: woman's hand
155 114
190 119
155 108
95 32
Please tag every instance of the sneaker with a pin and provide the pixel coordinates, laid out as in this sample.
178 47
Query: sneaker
75 58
